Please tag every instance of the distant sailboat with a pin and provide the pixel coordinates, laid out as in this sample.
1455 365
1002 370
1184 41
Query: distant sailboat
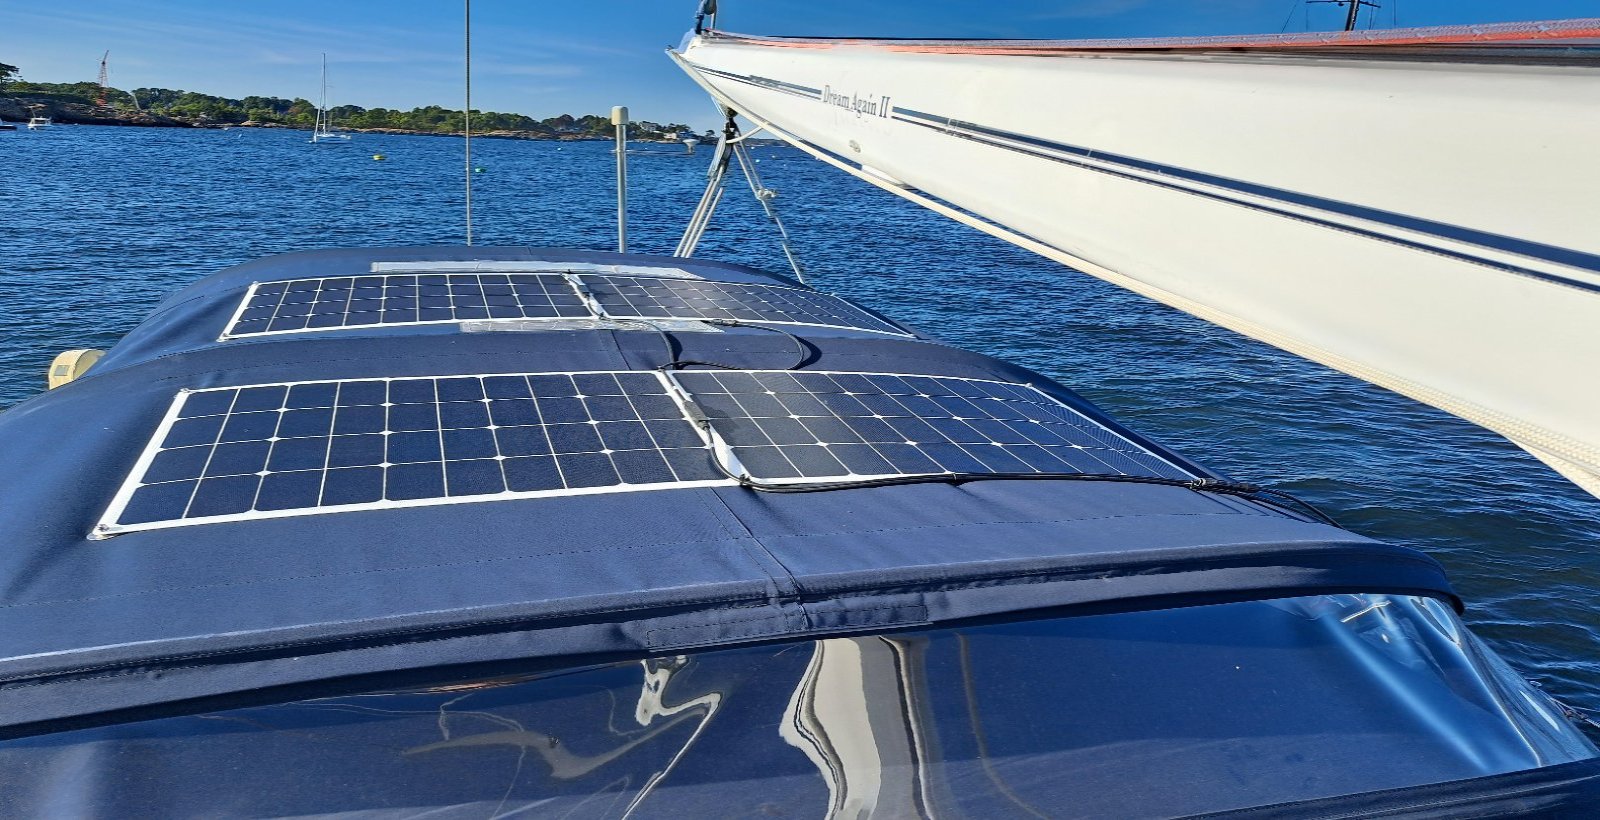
323 131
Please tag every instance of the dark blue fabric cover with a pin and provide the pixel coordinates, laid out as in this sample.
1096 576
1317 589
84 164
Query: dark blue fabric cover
147 617
1568 791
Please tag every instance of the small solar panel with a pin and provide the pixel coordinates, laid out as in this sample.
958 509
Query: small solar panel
411 299
273 450
647 297
800 426
396 299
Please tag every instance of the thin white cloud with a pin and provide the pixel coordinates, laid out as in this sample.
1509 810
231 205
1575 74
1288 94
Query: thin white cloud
1090 9
528 70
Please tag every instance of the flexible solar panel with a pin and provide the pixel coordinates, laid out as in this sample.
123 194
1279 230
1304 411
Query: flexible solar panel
273 450
645 297
798 427
403 299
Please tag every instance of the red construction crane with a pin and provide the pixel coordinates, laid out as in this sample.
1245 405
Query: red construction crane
104 77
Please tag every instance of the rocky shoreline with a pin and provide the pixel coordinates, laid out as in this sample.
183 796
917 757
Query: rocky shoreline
18 110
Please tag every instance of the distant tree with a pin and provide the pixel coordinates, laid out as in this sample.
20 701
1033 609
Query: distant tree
299 111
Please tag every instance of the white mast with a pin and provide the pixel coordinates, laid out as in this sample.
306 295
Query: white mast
321 130
322 107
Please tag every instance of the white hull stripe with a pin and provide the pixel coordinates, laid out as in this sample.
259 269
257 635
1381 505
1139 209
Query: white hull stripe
1120 166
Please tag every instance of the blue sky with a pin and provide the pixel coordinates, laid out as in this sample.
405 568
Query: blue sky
545 57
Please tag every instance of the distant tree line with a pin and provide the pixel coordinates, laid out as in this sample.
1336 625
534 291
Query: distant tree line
204 108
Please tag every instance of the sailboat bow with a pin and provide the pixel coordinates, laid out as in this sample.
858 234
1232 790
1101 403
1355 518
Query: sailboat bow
1412 207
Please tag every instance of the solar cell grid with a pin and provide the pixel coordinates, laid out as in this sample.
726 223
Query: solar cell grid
795 427
308 305
262 451
645 297
374 301
271 450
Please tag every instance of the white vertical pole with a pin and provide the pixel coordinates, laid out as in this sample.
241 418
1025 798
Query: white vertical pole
619 118
466 116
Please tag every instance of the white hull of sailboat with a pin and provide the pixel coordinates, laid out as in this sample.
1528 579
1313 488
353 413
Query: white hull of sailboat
1427 225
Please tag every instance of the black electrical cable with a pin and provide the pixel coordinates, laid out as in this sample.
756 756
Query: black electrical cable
674 363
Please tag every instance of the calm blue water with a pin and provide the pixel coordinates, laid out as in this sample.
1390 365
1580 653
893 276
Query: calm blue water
97 224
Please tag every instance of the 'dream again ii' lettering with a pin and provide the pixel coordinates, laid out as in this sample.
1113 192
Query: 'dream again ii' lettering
862 105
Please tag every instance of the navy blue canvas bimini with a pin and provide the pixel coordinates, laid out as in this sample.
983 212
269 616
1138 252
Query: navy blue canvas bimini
408 530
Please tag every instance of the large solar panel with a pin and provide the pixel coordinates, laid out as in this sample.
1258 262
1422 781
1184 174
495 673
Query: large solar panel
403 299
273 450
800 426
626 297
